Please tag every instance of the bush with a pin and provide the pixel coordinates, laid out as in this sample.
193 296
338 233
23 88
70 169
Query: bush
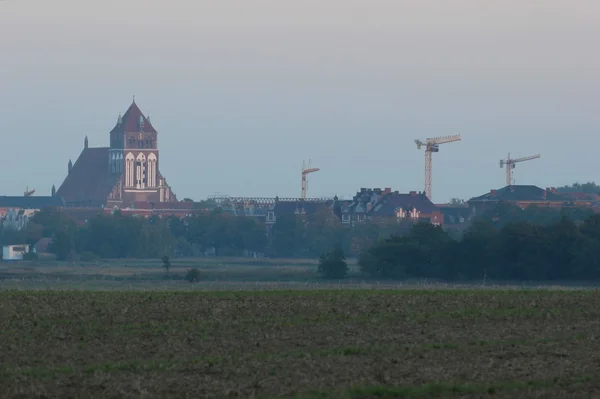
30 256
333 264
88 256
166 263
193 275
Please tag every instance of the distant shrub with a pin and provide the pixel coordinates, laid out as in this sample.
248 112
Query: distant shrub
193 275
30 256
166 263
73 256
333 264
88 256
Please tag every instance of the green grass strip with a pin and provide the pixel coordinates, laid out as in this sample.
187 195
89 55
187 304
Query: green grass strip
444 389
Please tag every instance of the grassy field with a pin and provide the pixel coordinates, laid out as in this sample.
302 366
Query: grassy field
135 270
305 344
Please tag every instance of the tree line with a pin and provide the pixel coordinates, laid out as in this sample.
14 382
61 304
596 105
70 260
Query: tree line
217 233
209 233
561 250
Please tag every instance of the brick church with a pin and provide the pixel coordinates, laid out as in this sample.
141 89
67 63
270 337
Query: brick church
121 175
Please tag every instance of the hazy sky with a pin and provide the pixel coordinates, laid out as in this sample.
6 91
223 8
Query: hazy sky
242 91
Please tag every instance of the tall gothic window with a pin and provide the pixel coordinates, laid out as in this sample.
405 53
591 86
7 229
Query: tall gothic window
129 170
152 170
140 172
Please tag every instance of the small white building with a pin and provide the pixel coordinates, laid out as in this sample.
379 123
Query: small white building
15 252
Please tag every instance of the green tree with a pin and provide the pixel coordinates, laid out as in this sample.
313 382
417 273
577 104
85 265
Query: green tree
289 236
208 205
457 201
166 263
177 227
62 245
52 220
193 275
323 230
390 258
476 255
333 265
589 187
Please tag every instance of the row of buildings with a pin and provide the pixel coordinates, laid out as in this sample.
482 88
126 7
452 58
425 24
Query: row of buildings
387 206
126 176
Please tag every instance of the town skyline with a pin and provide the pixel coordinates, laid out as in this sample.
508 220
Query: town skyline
241 95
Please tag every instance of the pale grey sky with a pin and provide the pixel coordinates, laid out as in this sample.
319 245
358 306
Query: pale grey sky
242 91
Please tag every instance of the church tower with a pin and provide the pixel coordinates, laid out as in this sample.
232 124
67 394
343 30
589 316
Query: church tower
134 150
134 154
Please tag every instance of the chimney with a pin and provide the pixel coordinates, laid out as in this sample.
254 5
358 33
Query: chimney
544 194
493 193
387 190
413 193
554 190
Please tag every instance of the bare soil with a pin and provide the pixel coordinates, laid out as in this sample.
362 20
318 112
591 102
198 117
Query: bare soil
305 344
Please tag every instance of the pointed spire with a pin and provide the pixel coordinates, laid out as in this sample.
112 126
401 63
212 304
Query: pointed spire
148 117
53 190
134 98
70 166
85 142
119 119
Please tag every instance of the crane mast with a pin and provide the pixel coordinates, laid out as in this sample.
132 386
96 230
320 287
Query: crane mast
510 165
432 145
306 169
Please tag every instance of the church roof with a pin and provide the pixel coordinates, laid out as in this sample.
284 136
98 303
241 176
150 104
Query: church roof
130 122
89 180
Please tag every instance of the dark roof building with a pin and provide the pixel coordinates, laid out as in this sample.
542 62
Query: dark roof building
30 202
300 207
526 195
515 193
457 217
521 196
124 173
389 206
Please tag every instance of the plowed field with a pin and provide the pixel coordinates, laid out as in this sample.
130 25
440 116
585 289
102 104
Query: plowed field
308 344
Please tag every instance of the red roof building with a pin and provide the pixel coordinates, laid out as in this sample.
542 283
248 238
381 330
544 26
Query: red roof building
122 174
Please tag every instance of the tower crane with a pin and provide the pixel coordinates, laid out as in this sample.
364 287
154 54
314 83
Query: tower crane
510 165
28 192
306 169
432 145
